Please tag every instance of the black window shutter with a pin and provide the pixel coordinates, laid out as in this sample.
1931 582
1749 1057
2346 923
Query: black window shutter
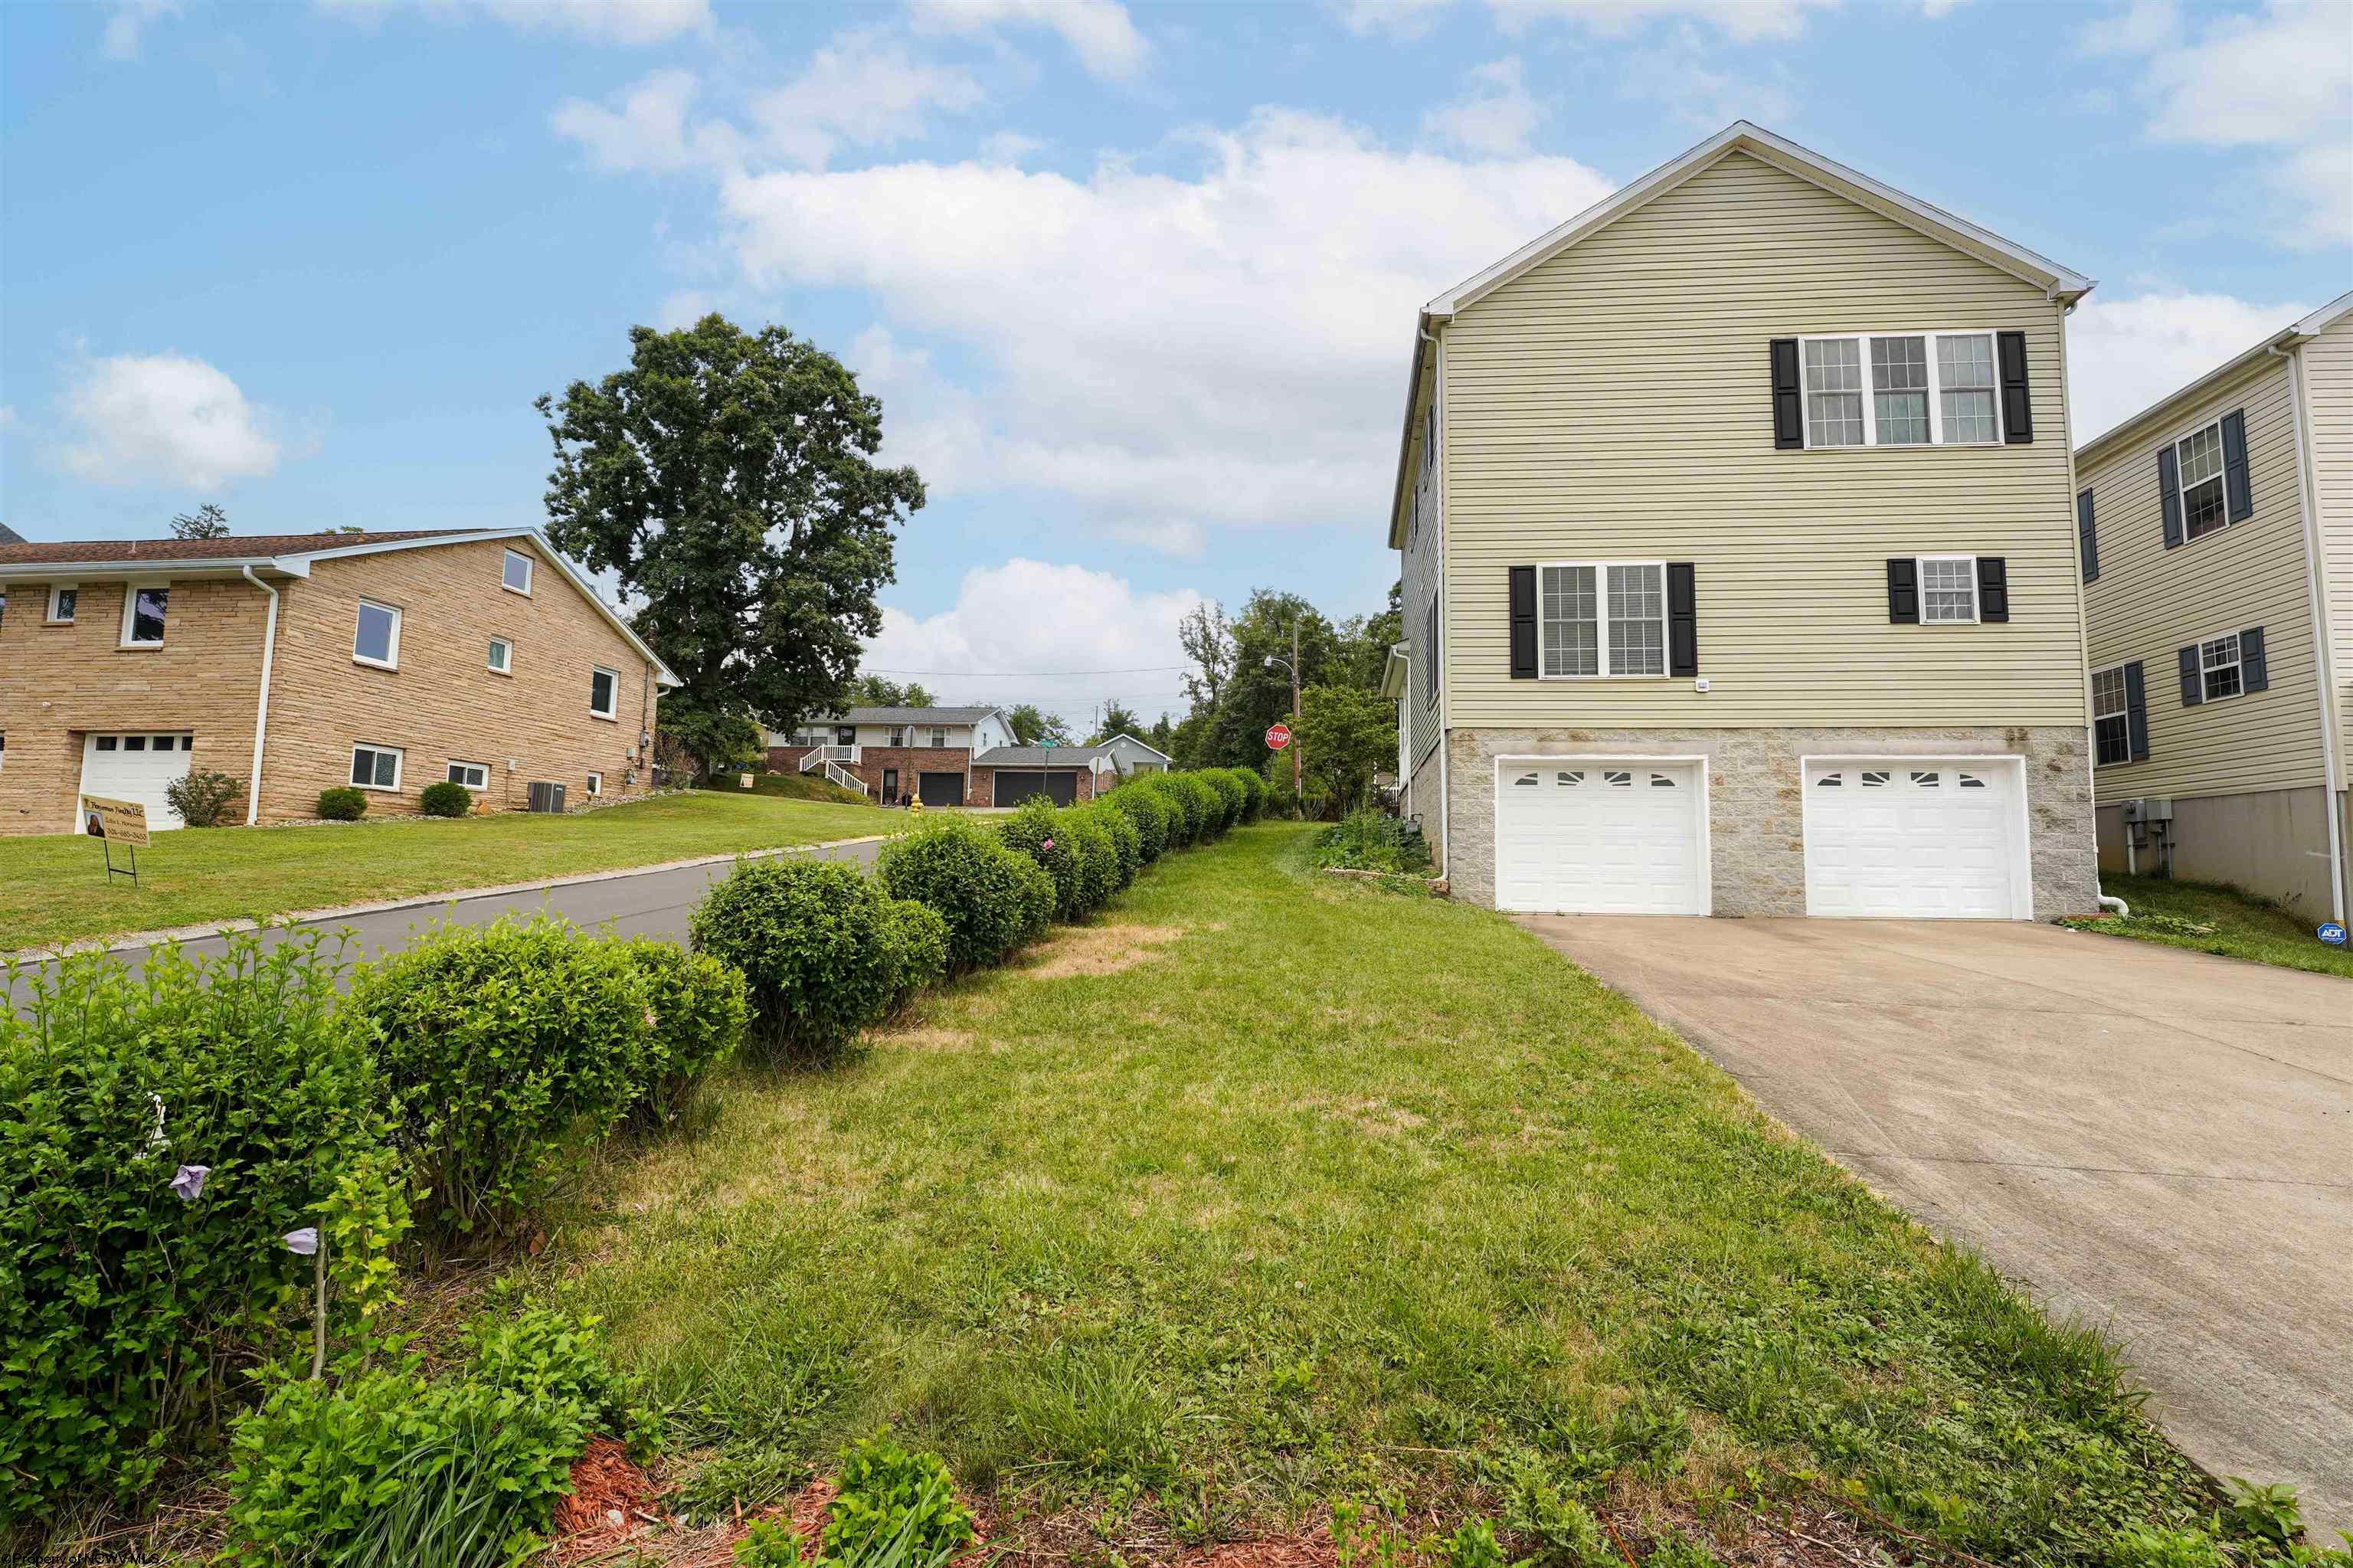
2169 494
1524 624
2234 465
1430 650
2192 691
2088 536
2016 402
1993 588
1904 591
2252 675
2135 711
1682 619
1788 408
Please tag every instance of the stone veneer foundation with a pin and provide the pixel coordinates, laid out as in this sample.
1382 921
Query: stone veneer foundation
1758 855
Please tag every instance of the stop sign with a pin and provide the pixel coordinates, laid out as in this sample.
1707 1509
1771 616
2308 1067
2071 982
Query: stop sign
1277 736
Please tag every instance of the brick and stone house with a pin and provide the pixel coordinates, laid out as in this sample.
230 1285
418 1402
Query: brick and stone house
941 755
296 663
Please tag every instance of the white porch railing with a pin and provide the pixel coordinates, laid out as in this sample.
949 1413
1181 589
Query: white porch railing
846 779
819 756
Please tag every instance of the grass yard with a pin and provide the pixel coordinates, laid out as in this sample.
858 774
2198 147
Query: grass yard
54 889
1269 1190
2244 927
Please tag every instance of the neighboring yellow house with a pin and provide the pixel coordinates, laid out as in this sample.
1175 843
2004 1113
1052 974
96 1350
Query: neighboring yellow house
2217 536
1736 518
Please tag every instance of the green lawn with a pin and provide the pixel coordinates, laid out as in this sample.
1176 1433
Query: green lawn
55 889
2244 927
1269 1190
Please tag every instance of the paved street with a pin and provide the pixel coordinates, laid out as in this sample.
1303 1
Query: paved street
2155 1141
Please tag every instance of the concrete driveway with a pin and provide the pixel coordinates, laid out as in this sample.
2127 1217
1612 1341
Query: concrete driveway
2156 1141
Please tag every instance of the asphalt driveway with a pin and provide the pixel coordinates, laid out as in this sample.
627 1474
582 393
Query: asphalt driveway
2156 1141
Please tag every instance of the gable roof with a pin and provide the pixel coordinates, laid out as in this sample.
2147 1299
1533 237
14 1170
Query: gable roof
2303 329
9 535
290 555
1109 741
908 716
1041 756
2061 284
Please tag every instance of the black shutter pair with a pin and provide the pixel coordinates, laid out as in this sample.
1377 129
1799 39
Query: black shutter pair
2087 538
2009 361
2254 672
2135 711
1682 620
1430 650
2239 495
1904 589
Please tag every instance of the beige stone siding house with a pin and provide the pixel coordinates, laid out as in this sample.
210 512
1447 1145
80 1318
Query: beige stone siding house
295 663
1738 548
939 755
2217 537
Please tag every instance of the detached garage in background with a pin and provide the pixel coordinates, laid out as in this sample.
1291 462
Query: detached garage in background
1065 775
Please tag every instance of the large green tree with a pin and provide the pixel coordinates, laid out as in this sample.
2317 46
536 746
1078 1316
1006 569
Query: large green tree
874 692
728 479
1033 726
1115 719
1347 734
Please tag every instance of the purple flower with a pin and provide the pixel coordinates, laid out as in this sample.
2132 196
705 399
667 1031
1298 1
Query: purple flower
302 1243
189 1184
1047 845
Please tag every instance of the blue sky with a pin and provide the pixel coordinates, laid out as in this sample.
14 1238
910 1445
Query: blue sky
1135 282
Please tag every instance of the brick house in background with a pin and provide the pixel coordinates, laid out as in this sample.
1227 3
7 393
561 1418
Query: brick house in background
941 755
296 663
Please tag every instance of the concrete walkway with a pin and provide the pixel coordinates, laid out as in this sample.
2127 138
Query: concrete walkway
2155 1141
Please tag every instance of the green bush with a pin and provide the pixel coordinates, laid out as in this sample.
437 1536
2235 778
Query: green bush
1127 844
1150 811
512 1049
994 898
1233 795
447 798
389 1466
342 803
1036 830
1202 806
700 1012
159 1134
1369 841
1255 792
769 1544
917 935
199 797
895 1509
1098 857
816 945
1183 808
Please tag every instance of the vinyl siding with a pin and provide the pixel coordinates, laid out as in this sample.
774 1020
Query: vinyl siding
2328 379
2150 602
1614 403
1423 555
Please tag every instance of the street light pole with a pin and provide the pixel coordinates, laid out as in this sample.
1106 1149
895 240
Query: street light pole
1292 665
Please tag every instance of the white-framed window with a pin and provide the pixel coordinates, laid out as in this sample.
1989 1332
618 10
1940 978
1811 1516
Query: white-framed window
604 693
375 635
514 573
502 655
2111 723
63 598
1904 388
939 738
472 775
596 784
1948 590
898 735
2219 674
375 767
144 608
2198 464
1601 618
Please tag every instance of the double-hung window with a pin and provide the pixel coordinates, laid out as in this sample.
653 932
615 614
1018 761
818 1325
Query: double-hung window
898 735
2198 457
2111 723
1892 390
939 739
376 638
1601 618
1948 590
2219 671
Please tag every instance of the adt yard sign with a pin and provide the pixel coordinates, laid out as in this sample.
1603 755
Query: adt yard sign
2331 933
1278 736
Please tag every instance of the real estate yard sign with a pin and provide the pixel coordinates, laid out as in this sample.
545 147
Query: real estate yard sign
117 822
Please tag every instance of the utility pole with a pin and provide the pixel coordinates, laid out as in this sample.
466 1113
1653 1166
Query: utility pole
1294 708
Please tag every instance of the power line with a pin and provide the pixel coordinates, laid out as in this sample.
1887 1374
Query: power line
1026 674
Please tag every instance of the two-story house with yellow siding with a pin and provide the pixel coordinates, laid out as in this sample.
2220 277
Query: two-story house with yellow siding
2216 540
1736 522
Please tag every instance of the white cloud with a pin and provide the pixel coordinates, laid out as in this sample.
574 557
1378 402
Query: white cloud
683 308
2279 81
164 418
647 129
128 24
1675 76
1031 615
627 22
1743 21
861 89
1099 31
2124 355
1166 351
1398 19
1497 115
1009 146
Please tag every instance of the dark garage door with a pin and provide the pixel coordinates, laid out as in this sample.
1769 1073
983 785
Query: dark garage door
940 789
1012 789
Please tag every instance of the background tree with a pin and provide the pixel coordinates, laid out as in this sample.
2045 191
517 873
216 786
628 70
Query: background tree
1350 733
727 479
1116 720
1258 693
208 521
1208 639
1031 727
874 692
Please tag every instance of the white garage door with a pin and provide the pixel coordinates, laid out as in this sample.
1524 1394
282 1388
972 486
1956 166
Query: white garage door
1609 838
136 768
1905 839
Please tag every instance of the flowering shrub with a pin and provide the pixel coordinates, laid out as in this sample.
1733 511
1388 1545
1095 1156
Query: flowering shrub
819 945
994 898
1035 829
700 1011
161 1132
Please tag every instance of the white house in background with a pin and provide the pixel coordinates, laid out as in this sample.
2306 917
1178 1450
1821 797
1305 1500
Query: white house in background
1130 756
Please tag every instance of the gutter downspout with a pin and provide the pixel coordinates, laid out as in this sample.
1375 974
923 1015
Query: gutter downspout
261 709
2323 675
1437 403
2083 629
